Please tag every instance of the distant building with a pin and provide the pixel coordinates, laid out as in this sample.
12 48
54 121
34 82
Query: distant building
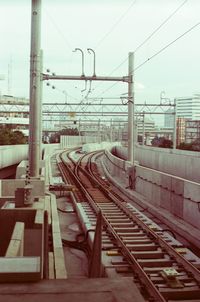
180 130
192 131
169 118
148 127
188 108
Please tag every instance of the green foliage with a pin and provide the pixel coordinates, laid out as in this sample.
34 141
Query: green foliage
55 138
194 146
10 137
162 142
69 131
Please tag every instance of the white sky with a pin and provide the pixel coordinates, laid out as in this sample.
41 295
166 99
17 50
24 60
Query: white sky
112 28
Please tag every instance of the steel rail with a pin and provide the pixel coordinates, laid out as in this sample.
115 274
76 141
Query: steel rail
179 259
162 242
132 260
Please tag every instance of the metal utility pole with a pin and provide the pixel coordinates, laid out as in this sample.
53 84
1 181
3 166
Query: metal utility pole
35 90
99 131
174 136
111 131
40 102
143 129
127 79
131 123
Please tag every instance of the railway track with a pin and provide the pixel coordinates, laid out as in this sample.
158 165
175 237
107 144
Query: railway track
137 246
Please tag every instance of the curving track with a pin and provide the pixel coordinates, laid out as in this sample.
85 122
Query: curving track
163 269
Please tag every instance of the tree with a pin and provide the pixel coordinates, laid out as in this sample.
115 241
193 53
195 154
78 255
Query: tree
10 137
194 146
162 142
55 138
18 138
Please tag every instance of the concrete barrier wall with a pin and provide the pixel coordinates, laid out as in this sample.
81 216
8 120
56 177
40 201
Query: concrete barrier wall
95 146
49 149
178 196
22 168
180 163
116 166
12 154
9 186
73 141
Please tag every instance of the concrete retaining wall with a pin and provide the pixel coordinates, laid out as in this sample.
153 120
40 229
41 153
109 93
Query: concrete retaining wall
180 163
101 146
178 196
12 154
73 141
116 166
9 186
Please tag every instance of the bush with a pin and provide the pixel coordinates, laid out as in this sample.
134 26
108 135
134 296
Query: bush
162 142
10 137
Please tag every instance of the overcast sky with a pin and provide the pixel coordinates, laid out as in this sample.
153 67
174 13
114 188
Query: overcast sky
112 28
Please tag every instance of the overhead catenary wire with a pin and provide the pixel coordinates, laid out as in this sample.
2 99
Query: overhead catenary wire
58 30
160 26
147 39
65 40
153 33
166 46
116 23
158 52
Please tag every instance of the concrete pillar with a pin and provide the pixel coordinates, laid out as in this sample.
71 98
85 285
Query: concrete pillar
35 91
131 151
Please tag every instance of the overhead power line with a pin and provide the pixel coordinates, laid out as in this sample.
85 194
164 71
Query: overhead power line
58 30
161 25
115 24
158 52
148 38
166 46
153 33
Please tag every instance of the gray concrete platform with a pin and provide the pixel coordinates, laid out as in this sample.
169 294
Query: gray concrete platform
76 290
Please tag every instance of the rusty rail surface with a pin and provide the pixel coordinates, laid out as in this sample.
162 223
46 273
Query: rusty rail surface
164 267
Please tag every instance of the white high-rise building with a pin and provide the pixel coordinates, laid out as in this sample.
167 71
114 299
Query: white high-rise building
188 108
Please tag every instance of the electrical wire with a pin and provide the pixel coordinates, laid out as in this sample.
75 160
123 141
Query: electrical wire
161 25
158 52
148 38
166 46
153 33
58 29
116 23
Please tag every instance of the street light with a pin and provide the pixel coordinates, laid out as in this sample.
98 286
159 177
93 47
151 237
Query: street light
91 50
82 59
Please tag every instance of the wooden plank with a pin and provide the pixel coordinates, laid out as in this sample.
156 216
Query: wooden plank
39 217
51 266
57 242
19 269
16 244
59 259
18 231
60 269
47 207
19 264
